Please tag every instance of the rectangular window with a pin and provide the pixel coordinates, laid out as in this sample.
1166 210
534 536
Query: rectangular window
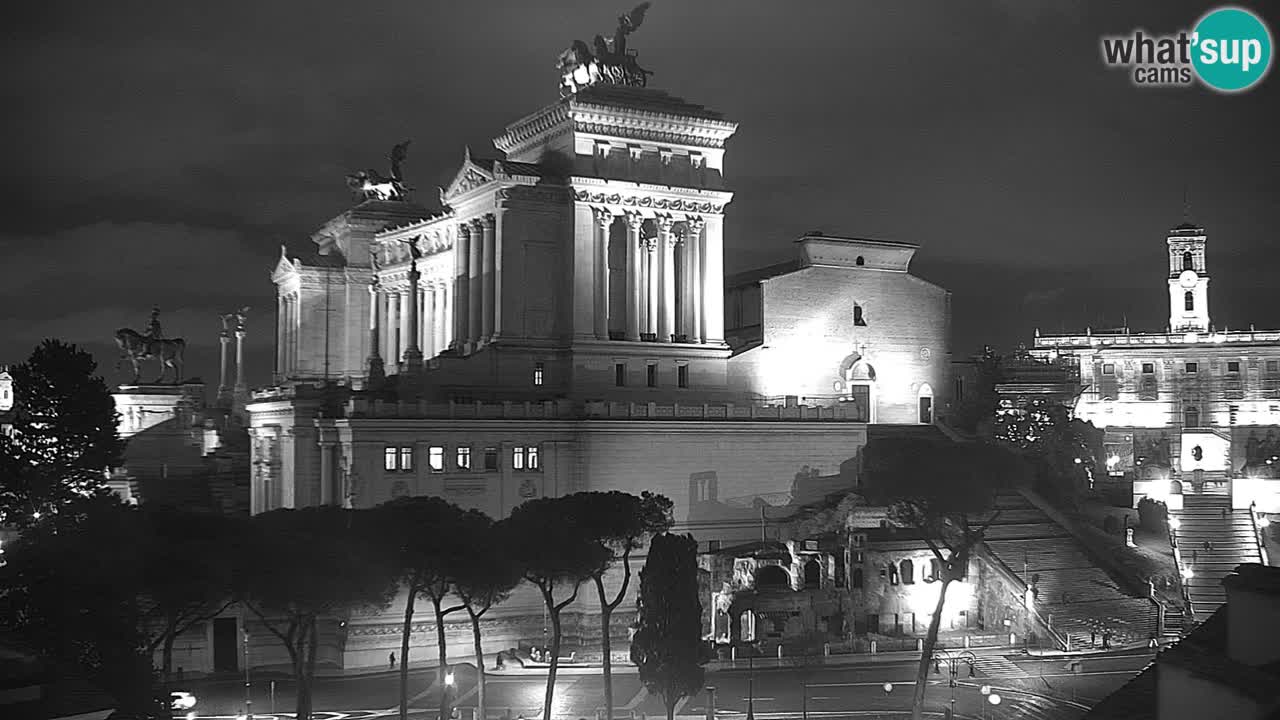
517 458
620 374
1233 366
1148 368
651 375
1193 367
532 461
537 373
389 456
406 459
1108 368
464 458
524 458
491 458
435 458
682 376
1273 366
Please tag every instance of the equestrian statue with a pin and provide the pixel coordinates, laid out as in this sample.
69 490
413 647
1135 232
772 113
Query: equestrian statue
137 347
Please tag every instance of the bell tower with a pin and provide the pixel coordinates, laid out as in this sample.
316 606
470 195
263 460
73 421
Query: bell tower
1188 279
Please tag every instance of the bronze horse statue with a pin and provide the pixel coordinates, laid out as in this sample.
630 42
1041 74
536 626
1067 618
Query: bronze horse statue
138 347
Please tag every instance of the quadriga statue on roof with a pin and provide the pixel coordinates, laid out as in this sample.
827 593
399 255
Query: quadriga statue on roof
371 185
609 63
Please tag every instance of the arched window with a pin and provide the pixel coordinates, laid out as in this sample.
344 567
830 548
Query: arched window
934 568
857 577
812 574
858 319
908 572
771 576
893 574
859 262
1188 301
1175 487
1191 417
1188 261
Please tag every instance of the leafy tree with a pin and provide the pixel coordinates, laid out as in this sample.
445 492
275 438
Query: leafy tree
976 410
554 546
945 492
486 575
1064 449
187 574
425 541
70 589
64 435
668 643
306 564
619 522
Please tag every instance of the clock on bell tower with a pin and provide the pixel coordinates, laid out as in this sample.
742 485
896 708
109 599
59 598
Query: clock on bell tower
1188 280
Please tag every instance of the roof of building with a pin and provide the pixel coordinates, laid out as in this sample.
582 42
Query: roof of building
1188 226
643 99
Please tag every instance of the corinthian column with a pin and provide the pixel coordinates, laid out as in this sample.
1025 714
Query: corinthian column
604 220
461 287
713 277
488 298
634 221
651 272
375 370
699 330
393 326
241 387
475 282
667 300
412 353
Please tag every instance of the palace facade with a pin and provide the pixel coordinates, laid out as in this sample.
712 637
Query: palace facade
561 323
1195 408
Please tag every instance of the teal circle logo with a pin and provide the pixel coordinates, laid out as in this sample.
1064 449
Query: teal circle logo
1231 49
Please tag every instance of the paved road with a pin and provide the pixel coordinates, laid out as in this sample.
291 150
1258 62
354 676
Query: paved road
1030 688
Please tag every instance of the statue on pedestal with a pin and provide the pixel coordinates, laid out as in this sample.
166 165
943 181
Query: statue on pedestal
609 63
136 347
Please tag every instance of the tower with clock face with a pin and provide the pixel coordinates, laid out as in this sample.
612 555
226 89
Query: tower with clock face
1188 280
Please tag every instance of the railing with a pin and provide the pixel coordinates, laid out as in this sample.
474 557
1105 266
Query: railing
1258 533
654 411
1001 566
1177 561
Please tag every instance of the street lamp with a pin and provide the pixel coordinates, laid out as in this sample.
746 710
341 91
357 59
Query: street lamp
751 687
248 699
711 703
446 709
953 661
986 696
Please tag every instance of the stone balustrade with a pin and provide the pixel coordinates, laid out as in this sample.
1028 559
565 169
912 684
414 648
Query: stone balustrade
361 407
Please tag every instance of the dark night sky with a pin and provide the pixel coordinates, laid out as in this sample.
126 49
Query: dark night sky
161 152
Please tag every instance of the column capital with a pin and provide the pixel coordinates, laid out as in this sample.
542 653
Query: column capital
695 223
635 221
650 243
603 217
665 223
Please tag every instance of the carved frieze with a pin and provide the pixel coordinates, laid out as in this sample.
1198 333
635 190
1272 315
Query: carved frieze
648 202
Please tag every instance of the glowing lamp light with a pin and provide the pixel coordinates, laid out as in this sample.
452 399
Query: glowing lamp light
36 515
191 715
448 678
1113 461
888 687
985 689
993 698
1188 573
1263 521
1175 523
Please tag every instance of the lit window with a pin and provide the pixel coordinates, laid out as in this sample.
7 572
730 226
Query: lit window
517 458
531 458
491 458
651 375
908 572
682 376
1193 367
389 459
1148 368
406 459
435 457
464 458
1233 366
1188 301
537 373
1109 369
620 374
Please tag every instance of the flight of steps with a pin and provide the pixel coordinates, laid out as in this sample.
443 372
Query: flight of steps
1077 596
1202 519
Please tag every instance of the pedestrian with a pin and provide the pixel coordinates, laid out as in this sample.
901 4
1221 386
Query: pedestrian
1224 513
1194 555
1106 640
393 661
1207 546
1093 638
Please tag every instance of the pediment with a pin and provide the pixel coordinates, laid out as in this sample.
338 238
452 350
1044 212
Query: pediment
284 267
469 177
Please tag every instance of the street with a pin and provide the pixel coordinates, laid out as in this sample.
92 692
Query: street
1029 687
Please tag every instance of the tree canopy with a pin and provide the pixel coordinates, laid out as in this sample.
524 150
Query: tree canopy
64 436
667 646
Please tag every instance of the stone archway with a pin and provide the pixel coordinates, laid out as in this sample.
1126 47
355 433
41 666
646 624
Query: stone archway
858 383
924 401
772 577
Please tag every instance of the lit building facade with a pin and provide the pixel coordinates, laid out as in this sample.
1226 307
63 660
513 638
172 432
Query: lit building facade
1195 408
559 325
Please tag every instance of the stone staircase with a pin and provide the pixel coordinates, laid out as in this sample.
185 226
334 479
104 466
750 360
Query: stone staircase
1079 599
1209 518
